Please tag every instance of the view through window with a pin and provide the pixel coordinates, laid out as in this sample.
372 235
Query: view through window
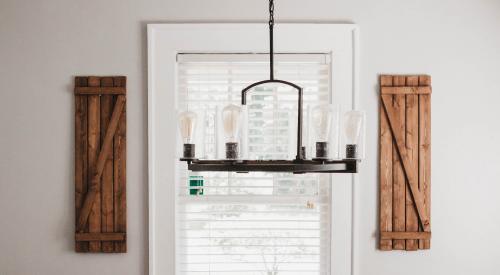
255 223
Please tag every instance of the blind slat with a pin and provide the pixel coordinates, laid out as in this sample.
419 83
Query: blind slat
257 222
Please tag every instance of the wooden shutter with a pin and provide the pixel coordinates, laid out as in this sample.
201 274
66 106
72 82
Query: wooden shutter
405 140
100 154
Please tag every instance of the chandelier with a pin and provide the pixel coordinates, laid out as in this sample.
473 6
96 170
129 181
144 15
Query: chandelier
232 120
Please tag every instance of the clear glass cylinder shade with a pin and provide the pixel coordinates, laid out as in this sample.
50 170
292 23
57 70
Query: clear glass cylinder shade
321 117
323 126
231 122
187 126
229 129
354 134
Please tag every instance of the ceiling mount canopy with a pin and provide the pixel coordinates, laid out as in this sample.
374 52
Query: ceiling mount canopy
231 116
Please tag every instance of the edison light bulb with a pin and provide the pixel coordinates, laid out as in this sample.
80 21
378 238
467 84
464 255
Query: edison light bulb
322 120
231 120
187 126
354 122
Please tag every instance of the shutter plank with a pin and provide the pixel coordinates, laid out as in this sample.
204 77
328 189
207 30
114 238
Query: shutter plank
386 80
119 81
405 235
94 220
94 81
100 90
119 168
425 155
81 161
120 200
412 149
107 173
385 173
105 237
399 203
399 208
406 90
424 80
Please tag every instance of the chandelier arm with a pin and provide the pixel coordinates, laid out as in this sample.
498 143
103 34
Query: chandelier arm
300 156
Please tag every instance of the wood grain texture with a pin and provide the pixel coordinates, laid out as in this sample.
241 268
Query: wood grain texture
120 198
94 215
81 81
93 194
405 114
411 175
425 155
412 81
411 140
424 80
94 81
398 80
385 178
399 181
81 160
119 81
99 114
406 90
405 235
107 220
386 80
100 90
104 237
399 203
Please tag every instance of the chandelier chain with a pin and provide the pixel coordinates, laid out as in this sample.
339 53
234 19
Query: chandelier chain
271 42
271 13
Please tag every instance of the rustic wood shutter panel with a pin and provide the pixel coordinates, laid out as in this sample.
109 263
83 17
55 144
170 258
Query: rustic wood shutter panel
405 163
100 155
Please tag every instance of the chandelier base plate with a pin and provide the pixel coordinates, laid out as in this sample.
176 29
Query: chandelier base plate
291 166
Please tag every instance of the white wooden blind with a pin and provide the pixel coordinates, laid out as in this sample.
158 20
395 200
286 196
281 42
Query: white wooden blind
256 223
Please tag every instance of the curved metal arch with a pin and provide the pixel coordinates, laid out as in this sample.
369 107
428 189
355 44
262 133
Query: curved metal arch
246 89
300 155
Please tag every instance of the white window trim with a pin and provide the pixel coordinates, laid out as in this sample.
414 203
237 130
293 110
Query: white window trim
165 41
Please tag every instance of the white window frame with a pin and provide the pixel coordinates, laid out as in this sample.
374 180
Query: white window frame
165 41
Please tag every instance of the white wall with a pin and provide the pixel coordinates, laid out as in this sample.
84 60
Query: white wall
44 43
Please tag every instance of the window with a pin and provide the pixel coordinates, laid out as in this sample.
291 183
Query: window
165 42
256 223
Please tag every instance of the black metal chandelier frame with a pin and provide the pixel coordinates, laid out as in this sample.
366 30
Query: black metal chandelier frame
298 165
